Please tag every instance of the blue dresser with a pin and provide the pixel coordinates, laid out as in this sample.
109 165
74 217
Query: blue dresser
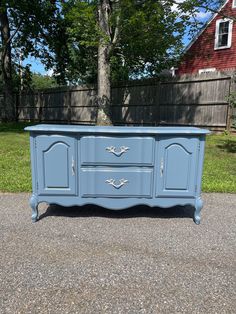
116 167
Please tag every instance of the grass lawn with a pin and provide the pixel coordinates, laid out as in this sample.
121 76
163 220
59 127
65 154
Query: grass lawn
220 164
219 167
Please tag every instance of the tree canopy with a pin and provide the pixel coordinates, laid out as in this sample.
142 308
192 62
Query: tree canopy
25 28
95 40
144 37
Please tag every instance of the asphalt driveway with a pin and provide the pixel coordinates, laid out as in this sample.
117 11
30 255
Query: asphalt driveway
143 260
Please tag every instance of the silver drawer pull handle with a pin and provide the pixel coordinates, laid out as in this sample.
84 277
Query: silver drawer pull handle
118 153
162 167
117 186
73 166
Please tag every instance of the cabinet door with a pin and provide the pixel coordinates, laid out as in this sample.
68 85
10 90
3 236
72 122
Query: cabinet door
176 166
56 163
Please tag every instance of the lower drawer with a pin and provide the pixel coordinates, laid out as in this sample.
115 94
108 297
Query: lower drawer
122 182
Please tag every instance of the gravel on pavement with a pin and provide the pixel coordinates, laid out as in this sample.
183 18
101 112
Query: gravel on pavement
141 260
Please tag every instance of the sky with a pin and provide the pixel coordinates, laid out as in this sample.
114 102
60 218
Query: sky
38 67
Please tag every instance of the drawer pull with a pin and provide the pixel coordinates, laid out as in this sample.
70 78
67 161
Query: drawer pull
117 186
162 167
112 149
73 166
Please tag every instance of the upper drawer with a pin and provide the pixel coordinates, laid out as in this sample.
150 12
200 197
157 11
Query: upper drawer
101 150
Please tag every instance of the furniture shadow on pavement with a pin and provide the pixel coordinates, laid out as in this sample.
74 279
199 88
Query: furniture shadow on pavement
132 212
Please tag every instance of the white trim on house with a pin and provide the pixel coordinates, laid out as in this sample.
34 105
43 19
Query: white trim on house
206 70
228 34
234 4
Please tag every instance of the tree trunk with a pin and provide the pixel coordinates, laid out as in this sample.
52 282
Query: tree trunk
9 104
104 79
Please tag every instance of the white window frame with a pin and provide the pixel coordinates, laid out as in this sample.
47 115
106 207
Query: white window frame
234 4
206 70
218 22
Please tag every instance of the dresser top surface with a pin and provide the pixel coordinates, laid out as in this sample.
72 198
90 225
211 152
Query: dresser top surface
114 129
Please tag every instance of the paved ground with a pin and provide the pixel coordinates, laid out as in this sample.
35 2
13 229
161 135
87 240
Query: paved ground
91 260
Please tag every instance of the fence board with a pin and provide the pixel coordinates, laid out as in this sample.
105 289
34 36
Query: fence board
83 114
194 92
197 116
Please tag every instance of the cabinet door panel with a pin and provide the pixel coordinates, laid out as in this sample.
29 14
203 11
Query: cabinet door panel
177 158
56 165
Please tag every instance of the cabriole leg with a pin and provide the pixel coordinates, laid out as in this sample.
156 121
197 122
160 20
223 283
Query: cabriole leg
197 212
34 206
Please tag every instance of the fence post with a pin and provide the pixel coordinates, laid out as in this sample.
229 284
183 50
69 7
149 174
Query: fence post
17 100
1 106
158 98
40 99
232 89
69 106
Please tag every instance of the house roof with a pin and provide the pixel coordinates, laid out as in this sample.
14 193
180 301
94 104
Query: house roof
204 27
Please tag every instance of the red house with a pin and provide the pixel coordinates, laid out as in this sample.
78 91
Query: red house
214 48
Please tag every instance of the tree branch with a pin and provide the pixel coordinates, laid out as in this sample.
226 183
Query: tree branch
207 8
225 16
117 30
4 53
14 33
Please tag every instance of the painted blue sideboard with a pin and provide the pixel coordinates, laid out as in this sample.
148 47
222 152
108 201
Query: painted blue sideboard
116 167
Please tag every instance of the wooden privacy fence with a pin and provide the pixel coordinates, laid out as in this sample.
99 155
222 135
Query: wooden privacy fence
198 101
